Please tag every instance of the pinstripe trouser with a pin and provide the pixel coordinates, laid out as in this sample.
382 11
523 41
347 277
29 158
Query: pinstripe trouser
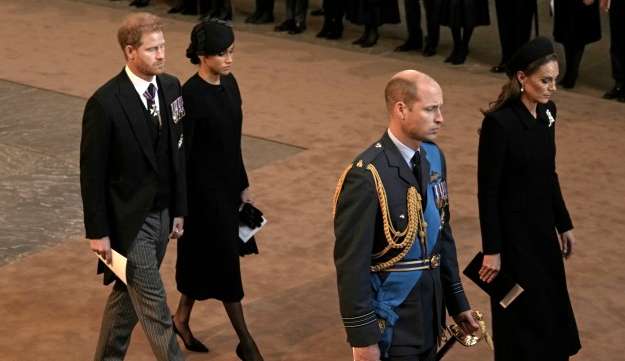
144 299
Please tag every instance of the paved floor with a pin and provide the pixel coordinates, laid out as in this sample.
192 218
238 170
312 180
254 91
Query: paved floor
309 106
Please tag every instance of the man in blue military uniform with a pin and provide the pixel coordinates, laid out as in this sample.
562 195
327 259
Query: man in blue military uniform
395 255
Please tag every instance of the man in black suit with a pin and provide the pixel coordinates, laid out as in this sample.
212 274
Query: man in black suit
413 24
616 9
395 255
132 181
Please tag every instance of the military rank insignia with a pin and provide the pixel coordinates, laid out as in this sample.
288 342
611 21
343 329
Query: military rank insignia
177 109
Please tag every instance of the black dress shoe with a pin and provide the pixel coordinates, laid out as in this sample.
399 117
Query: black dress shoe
460 58
371 39
286 25
429 50
409 45
335 33
264 18
140 3
193 345
501 68
452 55
298 28
325 30
615 92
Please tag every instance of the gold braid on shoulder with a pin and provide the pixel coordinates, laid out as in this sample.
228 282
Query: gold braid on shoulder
395 239
398 239
339 187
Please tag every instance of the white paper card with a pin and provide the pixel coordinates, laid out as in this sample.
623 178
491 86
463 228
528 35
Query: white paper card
245 232
117 265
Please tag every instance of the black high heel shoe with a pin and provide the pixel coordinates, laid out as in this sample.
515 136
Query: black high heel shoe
241 354
194 345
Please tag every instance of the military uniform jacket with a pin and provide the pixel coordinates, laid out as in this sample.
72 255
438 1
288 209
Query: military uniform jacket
358 228
118 167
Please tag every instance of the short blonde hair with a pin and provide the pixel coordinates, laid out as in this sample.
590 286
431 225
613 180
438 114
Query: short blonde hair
134 26
399 89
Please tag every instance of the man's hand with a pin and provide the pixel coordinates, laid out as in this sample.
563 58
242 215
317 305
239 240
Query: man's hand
367 353
246 196
490 267
588 2
567 243
102 247
467 323
177 228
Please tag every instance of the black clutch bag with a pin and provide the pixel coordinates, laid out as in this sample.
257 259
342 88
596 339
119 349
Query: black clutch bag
503 288
251 217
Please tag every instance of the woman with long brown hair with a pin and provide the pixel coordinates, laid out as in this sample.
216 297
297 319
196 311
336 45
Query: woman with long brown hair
526 228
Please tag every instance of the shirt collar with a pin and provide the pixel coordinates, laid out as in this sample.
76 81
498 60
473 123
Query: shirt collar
140 85
406 152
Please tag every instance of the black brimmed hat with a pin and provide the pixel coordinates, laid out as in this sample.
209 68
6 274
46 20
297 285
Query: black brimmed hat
531 51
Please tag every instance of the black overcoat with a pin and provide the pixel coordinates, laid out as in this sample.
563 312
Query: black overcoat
358 228
208 255
118 170
575 23
521 207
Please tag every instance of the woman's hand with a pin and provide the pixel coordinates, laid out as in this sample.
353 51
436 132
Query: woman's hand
490 267
246 196
567 243
588 2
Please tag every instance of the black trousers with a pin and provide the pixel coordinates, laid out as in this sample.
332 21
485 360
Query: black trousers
432 18
296 10
426 356
617 40
514 21
334 10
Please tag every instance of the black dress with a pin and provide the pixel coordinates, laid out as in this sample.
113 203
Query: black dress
521 207
208 254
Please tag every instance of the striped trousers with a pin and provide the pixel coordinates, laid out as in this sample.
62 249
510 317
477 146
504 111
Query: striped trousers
144 299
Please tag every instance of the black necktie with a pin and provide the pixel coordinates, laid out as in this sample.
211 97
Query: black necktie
416 167
150 95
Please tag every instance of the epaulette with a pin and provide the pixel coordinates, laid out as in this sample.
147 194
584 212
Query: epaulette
360 162
368 156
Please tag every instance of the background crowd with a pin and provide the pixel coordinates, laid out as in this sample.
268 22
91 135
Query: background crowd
576 23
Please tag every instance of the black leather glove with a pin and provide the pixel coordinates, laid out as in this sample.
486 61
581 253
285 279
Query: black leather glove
250 216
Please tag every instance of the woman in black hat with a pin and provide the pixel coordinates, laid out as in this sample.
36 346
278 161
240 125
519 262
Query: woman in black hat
526 228
208 254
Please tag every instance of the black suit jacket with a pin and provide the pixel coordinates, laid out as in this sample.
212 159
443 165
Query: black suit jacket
358 228
118 170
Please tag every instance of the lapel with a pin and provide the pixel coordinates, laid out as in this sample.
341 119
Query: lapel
167 100
167 115
524 115
133 107
395 160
